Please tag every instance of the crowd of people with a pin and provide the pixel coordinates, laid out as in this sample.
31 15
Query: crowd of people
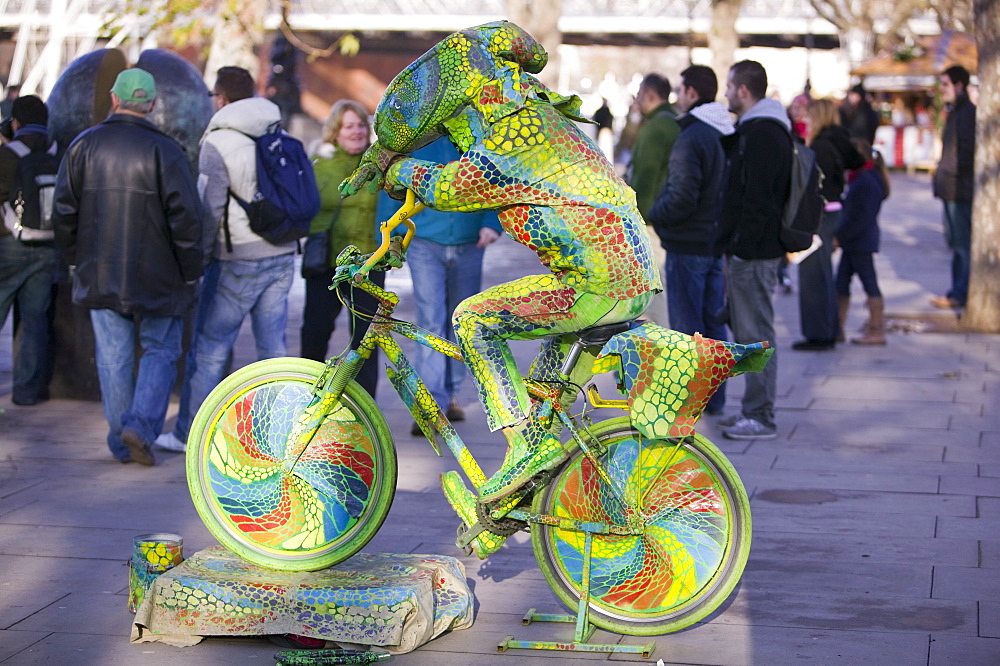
714 194
149 244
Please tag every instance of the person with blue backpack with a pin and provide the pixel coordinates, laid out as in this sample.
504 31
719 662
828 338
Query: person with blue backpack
247 274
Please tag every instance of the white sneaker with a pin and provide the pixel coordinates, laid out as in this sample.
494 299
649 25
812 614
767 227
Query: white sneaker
168 442
727 422
750 429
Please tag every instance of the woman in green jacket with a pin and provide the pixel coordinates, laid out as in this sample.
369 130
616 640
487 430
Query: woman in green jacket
350 221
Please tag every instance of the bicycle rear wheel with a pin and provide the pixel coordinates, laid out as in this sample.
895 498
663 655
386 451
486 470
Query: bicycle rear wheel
696 519
275 509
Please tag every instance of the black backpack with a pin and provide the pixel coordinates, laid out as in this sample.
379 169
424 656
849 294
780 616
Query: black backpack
805 204
28 212
287 199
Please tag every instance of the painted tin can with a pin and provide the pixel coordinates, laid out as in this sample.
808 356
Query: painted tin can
152 554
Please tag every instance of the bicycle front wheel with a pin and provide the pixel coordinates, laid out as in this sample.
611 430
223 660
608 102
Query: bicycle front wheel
290 512
695 517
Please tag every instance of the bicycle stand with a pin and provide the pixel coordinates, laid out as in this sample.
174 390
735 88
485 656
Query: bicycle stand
584 629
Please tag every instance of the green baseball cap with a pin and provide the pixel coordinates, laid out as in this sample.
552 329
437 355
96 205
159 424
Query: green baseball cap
134 85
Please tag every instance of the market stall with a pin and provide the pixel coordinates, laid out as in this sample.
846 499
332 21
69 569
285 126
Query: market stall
904 84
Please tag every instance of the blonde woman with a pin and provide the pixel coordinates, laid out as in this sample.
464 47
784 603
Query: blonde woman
350 221
818 317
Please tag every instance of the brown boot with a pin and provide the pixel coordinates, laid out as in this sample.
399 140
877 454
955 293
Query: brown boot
843 305
875 333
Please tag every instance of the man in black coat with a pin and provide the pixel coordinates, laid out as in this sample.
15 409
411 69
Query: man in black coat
686 213
953 181
127 216
29 261
759 178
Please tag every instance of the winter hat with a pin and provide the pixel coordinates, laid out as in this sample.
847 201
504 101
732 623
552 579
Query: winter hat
30 110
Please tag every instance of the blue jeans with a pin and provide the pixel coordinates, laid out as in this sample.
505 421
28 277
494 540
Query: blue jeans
135 401
749 289
27 274
443 276
958 234
230 291
696 293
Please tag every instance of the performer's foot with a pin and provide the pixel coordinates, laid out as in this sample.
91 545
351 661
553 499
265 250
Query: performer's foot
530 451
464 504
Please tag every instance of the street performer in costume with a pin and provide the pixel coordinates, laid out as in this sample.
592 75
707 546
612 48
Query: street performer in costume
555 193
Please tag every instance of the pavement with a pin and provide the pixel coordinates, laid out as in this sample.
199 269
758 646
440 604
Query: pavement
876 510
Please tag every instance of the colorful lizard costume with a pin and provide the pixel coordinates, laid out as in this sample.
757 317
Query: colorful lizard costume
555 192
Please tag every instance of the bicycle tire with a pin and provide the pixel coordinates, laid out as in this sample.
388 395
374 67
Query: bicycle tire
696 541
301 515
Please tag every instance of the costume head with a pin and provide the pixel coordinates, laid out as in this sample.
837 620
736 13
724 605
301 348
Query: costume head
481 67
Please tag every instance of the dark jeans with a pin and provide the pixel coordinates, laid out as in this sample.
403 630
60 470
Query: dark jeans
817 300
958 234
319 318
27 273
861 264
696 292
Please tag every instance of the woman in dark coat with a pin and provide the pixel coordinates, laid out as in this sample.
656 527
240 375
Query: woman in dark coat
818 316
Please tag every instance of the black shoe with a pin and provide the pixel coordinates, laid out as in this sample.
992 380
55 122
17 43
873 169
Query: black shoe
814 345
455 411
138 448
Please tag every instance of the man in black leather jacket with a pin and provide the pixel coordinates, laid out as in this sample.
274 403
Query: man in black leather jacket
127 216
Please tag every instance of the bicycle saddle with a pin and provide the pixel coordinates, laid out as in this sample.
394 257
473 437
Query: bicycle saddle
597 336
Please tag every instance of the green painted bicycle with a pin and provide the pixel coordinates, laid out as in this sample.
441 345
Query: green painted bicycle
645 528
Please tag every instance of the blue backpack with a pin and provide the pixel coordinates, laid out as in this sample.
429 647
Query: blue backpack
286 199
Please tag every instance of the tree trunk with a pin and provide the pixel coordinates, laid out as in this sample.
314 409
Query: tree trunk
722 38
541 20
983 307
235 39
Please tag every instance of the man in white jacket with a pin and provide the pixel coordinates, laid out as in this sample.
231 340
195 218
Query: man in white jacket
245 273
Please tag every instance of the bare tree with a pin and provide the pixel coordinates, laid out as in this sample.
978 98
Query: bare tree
541 20
983 308
953 14
236 36
722 38
855 21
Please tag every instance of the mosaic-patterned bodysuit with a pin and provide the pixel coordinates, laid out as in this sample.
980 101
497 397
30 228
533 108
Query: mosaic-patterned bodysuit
555 191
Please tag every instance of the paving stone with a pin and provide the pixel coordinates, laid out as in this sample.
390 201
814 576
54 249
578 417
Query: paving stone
980 584
824 577
984 453
12 642
974 485
989 552
989 618
963 650
957 527
834 521
834 480
842 461
864 548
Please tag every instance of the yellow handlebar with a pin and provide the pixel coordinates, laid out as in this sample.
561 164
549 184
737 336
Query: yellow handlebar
409 208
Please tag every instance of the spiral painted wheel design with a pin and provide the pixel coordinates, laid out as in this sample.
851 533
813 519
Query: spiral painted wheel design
696 531
281 508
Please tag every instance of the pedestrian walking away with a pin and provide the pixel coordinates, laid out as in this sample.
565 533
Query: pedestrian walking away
128 218
245 275
29 262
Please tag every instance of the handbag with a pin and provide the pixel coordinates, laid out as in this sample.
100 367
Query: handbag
316 250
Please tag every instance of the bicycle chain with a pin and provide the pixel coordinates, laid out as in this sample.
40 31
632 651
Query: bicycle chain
504 527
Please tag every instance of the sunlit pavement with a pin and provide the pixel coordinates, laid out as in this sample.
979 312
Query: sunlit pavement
876 511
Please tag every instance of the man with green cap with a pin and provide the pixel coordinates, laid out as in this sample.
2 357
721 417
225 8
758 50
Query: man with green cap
127 216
